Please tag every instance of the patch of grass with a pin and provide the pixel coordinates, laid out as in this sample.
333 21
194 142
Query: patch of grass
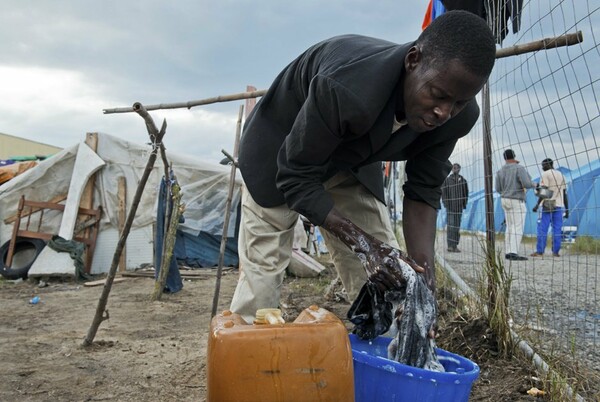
586 245
497 295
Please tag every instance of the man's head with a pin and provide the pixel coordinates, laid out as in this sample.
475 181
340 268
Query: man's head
547 164
446 68
509 155
456 168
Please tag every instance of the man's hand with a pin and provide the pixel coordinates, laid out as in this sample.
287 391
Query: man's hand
566 213
381 261
535 209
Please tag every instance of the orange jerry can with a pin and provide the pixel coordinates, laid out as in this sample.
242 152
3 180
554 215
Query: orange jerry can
309 359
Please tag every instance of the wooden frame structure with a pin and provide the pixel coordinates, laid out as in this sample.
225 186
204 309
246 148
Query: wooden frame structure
92 221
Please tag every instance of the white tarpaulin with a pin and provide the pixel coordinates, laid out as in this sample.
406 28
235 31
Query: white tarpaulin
204 186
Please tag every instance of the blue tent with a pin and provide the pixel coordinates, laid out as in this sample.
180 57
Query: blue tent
583 191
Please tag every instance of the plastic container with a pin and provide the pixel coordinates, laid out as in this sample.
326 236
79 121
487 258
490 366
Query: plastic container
309 359
377 378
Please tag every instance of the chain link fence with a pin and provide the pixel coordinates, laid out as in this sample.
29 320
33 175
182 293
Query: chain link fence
543 104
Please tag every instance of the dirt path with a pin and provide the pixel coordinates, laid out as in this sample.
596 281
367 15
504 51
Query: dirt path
145 352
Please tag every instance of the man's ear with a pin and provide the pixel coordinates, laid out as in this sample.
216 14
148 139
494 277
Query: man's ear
413 58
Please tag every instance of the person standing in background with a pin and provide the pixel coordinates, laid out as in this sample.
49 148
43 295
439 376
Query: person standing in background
512 181
553 209
455 193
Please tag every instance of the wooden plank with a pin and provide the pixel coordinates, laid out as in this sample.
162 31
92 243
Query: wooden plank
87 196
121 216
304 266
34 235
195 274
250 102
101 282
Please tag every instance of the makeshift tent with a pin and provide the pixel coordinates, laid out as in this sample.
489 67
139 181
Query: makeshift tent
583 191
204 187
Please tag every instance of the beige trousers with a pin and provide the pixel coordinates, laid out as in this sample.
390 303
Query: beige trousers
514 213
266 236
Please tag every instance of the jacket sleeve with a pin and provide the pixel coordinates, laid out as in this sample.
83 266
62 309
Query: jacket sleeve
445 191
329 112
426 173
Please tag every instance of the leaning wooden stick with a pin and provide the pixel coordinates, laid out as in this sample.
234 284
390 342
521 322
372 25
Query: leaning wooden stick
156 139
227 212
168 243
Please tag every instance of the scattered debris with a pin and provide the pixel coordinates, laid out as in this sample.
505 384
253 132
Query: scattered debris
536 392
101 282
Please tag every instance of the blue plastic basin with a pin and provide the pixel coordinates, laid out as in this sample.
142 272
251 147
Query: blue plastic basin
378 379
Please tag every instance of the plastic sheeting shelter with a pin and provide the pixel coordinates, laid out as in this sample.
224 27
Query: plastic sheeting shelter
583 191
204 187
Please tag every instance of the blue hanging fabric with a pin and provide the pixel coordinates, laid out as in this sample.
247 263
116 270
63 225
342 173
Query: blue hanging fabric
437 9
174 282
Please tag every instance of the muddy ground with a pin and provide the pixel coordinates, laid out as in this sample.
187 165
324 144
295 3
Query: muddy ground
156 351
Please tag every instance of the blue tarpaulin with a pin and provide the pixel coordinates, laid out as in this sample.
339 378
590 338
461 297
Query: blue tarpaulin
203 250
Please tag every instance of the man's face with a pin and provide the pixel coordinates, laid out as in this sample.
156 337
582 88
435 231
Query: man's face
434 95
456 169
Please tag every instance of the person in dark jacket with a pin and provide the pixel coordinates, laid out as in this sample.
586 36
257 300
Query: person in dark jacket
455 193
314 143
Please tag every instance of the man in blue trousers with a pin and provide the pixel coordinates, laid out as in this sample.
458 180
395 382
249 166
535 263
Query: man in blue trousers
553 209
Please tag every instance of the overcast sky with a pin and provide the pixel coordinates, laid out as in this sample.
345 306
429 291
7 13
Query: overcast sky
64 61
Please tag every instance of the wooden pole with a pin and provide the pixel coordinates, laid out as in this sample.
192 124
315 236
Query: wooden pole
250 102
191 104
548 43
227 213
156 139
487 166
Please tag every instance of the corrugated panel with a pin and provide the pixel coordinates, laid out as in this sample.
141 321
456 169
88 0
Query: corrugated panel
139 248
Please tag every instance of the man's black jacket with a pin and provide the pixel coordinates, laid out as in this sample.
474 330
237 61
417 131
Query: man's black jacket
332 109
455 193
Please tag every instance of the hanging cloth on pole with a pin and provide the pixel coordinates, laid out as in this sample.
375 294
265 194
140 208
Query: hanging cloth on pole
174 282
499 12
496 12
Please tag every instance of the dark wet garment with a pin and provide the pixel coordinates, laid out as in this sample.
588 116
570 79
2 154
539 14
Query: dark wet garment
408 312
370 313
